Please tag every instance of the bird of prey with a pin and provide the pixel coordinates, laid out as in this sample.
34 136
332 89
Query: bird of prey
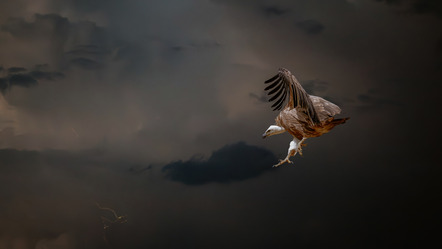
303 116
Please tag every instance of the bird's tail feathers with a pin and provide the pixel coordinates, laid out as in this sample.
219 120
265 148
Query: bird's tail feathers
331 123
339 121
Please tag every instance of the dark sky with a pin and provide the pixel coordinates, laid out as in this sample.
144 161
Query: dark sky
156 109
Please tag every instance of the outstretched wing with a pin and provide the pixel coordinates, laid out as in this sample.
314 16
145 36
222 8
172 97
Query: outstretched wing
287 88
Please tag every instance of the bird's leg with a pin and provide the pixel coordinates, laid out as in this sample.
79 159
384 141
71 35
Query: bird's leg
300 144
294 144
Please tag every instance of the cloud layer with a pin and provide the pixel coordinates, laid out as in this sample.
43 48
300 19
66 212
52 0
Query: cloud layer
231 163
110 101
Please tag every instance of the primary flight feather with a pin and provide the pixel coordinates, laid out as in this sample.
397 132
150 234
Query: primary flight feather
303 115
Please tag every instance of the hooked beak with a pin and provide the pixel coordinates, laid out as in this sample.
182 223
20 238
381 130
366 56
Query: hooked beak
264 136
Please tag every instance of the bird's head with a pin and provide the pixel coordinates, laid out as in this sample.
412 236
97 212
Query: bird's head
273 130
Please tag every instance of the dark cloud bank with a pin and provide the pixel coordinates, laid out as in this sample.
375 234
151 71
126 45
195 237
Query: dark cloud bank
18 76
48 199
80 44
231 163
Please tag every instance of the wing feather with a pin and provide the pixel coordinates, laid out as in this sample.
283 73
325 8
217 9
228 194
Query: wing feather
271 79
279 102
287 85
276 89
277 94
279 106
324 108
273 84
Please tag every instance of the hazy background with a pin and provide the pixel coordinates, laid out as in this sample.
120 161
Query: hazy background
156 109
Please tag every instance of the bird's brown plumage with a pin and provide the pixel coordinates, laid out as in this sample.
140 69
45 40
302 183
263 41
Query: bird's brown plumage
304 115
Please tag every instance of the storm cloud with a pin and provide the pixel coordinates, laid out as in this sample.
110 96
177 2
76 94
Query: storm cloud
140 106
274 10
49 199
16 69
234 162
18 76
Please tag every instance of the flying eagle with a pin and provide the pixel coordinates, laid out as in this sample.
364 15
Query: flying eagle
303 116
